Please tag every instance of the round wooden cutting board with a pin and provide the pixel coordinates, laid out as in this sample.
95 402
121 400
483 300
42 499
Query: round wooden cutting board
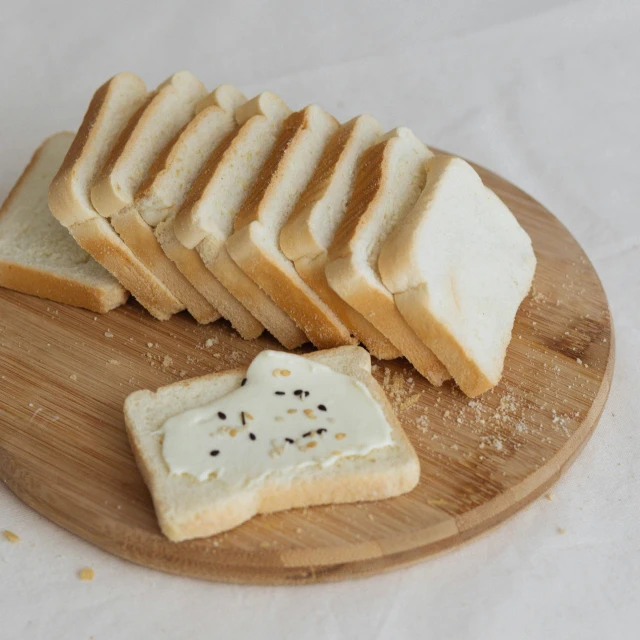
64 375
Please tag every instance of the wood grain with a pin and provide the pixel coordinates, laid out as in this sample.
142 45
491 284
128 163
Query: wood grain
64 374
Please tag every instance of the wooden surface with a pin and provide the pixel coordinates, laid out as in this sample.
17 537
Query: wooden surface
64 374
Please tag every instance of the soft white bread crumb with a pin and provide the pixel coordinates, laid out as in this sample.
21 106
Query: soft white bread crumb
207 216
155 123
459 267
388 182
111 107
307 235
255 245
188 509
38 256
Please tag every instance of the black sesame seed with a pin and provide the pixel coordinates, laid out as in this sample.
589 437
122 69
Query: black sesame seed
221 415
279 393
321 431
244 381
306 393
252 436
214 453
289 440
322 407
242 418
306 435
297 392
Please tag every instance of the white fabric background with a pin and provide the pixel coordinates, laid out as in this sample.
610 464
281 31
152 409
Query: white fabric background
545 93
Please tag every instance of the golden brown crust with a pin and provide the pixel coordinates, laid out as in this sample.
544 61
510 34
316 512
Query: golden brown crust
312 272
296 236
248 293
141 239
99 239
193 268
42 284
257 263
292 128
366 191
103 192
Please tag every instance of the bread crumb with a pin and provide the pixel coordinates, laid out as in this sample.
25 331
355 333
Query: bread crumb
112 361
73 377
550 496
562 531
210 342
167 361
410 401
10 536
150 345
86 574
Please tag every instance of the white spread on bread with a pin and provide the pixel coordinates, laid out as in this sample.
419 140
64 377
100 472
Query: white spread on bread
288 413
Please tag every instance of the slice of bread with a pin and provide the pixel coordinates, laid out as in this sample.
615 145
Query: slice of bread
138 151
255 245
164 190
187 259
188 508
38 256
193 268
306 237
389 180
459 266
206 219
110 109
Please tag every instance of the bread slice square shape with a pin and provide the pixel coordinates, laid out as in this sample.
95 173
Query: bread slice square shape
206 219
255 245
459 267
389 180
38 255
307 235
111 107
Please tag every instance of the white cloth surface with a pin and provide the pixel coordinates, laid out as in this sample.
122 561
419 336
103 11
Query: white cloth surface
546 94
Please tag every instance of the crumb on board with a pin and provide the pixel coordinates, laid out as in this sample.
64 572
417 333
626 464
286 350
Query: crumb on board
149 345
108 334
11 537
113 361
86 574
209 342
167 361
73 377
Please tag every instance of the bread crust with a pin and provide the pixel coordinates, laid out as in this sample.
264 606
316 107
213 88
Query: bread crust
372 300
193 268
266 265
141 239
69 198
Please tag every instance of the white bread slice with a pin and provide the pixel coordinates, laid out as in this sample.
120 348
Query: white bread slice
306 237
161 117
255 245
459 266
38 255
109 111
212 189
187 508
389 180
165 188
132 158
205 221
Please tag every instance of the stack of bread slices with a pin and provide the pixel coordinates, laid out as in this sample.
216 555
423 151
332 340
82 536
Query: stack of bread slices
294 223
